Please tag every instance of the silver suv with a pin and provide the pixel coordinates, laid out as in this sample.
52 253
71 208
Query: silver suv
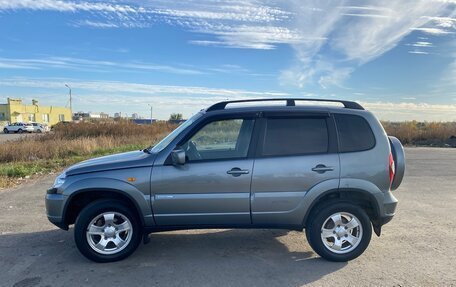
240 164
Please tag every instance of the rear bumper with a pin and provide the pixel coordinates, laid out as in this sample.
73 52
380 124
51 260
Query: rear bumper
54 209
387 204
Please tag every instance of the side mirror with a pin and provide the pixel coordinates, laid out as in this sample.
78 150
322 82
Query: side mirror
178 157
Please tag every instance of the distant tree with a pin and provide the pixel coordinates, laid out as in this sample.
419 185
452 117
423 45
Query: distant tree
175 117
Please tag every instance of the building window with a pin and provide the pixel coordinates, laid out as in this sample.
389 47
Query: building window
61 117
2 116
45 118
31 117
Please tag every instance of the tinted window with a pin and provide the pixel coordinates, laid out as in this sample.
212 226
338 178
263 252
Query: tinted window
295 136
220 140
355 133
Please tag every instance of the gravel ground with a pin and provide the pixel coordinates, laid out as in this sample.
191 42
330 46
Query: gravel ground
415 249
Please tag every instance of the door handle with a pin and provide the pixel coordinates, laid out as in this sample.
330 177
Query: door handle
236 171
321 168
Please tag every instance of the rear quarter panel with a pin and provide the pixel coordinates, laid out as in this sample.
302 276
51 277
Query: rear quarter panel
370 166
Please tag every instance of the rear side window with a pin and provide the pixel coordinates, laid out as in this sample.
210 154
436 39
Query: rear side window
355 133
295 136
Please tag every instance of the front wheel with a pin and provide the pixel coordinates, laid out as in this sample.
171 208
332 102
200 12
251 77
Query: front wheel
107 231
5 130
339 231
19 131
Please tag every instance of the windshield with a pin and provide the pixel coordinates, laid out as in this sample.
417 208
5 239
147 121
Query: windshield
169 138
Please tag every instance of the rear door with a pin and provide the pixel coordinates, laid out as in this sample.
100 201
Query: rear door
296 153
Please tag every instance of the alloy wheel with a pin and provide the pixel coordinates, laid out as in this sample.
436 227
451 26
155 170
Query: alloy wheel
109 233
341 232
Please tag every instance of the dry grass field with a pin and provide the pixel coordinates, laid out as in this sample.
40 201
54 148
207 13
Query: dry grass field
423 133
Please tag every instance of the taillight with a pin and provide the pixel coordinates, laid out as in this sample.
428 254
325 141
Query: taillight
392 168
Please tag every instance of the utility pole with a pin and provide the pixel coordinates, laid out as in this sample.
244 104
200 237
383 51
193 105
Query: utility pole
151 121
71 107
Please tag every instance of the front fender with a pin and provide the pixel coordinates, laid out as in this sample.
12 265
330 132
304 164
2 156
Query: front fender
100 183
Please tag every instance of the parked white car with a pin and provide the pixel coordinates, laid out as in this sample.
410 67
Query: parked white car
40 128
18 128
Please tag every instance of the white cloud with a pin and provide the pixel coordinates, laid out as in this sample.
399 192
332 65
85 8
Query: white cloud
418 52
432 31
67 6
134 88
253 37
444 22
411 111
248 12
91 65
376 28
95 24
422 44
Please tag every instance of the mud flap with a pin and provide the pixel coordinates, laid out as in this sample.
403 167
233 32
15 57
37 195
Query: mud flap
377 229
146 238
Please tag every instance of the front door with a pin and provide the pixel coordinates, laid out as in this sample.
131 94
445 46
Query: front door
213 186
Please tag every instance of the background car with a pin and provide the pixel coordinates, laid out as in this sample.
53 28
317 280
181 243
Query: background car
40 128
18 128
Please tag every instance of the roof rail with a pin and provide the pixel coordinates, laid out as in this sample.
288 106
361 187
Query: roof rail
288 101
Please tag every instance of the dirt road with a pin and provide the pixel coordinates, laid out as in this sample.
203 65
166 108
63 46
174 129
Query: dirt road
416 249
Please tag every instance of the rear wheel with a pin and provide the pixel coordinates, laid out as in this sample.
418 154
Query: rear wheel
19 131
107 231
38 131
339 231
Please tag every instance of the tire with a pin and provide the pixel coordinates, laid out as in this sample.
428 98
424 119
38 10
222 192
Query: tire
19 131
325 236
5 130
38 131
103 209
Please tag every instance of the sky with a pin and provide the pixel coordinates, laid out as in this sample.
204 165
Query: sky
396 57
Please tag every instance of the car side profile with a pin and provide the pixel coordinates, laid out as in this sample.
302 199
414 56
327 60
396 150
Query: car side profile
263 163
18 128
40 128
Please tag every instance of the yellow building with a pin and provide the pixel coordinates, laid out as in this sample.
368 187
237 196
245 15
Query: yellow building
15 111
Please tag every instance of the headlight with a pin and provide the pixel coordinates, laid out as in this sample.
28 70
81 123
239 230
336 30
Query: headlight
59 180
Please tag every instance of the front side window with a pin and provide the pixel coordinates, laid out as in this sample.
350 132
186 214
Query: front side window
294 136
169 138
223 139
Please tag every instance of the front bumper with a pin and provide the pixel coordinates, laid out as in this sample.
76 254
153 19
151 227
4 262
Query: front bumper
54 209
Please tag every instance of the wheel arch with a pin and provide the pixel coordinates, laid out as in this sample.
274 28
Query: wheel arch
363 198
81 198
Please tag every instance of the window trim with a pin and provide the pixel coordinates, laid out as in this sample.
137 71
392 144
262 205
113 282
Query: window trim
204 122
330 129
338 137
